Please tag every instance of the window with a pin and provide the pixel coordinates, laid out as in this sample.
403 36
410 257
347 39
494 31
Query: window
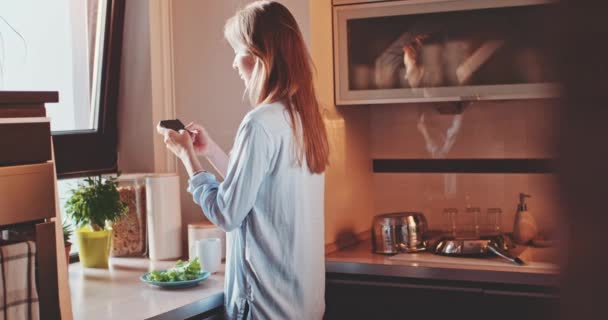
64 188
73 47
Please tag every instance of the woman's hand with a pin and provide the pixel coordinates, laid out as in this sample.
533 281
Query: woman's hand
187 144
180 143
201 141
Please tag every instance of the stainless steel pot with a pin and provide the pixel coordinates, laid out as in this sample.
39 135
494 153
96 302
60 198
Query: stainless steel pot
399 232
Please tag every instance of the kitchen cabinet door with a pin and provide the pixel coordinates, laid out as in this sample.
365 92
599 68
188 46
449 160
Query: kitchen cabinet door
384 300
379 297
513 305
450 50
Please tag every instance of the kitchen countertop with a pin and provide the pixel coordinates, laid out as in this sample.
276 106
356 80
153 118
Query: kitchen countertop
541 268
117 292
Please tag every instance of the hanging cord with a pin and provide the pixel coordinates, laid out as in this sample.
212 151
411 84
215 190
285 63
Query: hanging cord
2 56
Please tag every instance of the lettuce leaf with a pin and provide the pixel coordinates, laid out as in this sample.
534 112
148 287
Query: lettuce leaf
182 271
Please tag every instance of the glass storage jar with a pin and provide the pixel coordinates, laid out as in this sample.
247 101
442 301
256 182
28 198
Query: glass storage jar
129 231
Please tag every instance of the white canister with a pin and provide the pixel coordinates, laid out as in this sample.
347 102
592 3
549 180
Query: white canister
204 230
164 216
209 254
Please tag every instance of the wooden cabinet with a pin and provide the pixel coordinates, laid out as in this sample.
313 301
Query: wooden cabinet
28 208
374 297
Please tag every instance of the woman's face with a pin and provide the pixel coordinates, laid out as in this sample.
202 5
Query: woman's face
243 63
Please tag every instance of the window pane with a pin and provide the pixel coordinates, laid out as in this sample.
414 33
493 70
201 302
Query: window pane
50 46
64 188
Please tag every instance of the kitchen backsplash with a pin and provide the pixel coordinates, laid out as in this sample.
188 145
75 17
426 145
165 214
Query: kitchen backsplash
487 129
427 193
505 129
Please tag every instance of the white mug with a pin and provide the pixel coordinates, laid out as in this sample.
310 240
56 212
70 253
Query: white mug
198 231
209 253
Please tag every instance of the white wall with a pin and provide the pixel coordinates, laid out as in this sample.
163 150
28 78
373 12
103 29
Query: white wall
207 90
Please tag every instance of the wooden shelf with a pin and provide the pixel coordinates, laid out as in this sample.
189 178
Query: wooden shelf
508 166
9 99
24 104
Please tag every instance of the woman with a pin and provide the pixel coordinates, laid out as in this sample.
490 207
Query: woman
271 199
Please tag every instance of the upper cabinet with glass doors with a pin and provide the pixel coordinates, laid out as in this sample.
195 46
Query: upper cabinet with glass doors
441 50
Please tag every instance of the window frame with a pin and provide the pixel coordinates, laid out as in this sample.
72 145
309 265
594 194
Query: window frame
90 152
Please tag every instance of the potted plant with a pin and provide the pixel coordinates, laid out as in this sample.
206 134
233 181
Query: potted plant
93 206
67 234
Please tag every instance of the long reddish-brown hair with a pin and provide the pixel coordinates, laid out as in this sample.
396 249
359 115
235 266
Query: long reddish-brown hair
282 72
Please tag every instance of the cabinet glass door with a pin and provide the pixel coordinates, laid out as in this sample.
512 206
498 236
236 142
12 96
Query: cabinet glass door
441 51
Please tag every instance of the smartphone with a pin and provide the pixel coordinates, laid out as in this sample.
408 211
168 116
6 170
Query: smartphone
174 124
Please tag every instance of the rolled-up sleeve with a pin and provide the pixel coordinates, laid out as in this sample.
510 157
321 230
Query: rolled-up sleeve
228 203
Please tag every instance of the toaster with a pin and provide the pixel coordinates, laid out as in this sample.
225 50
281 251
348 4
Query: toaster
397 232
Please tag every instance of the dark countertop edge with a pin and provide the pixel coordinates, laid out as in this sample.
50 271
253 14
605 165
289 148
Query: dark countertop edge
193 309
27 97
438 273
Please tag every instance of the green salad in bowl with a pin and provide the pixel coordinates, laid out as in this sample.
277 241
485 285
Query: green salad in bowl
183 274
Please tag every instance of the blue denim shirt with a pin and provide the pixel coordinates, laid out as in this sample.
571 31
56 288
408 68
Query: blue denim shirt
272 210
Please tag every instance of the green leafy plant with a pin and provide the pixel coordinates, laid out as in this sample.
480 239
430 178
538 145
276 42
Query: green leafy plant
67 231
181 272
96 201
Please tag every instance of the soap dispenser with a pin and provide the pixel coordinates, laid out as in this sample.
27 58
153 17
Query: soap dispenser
524 227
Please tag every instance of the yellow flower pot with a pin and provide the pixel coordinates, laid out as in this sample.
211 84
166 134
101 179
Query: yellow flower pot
93 247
